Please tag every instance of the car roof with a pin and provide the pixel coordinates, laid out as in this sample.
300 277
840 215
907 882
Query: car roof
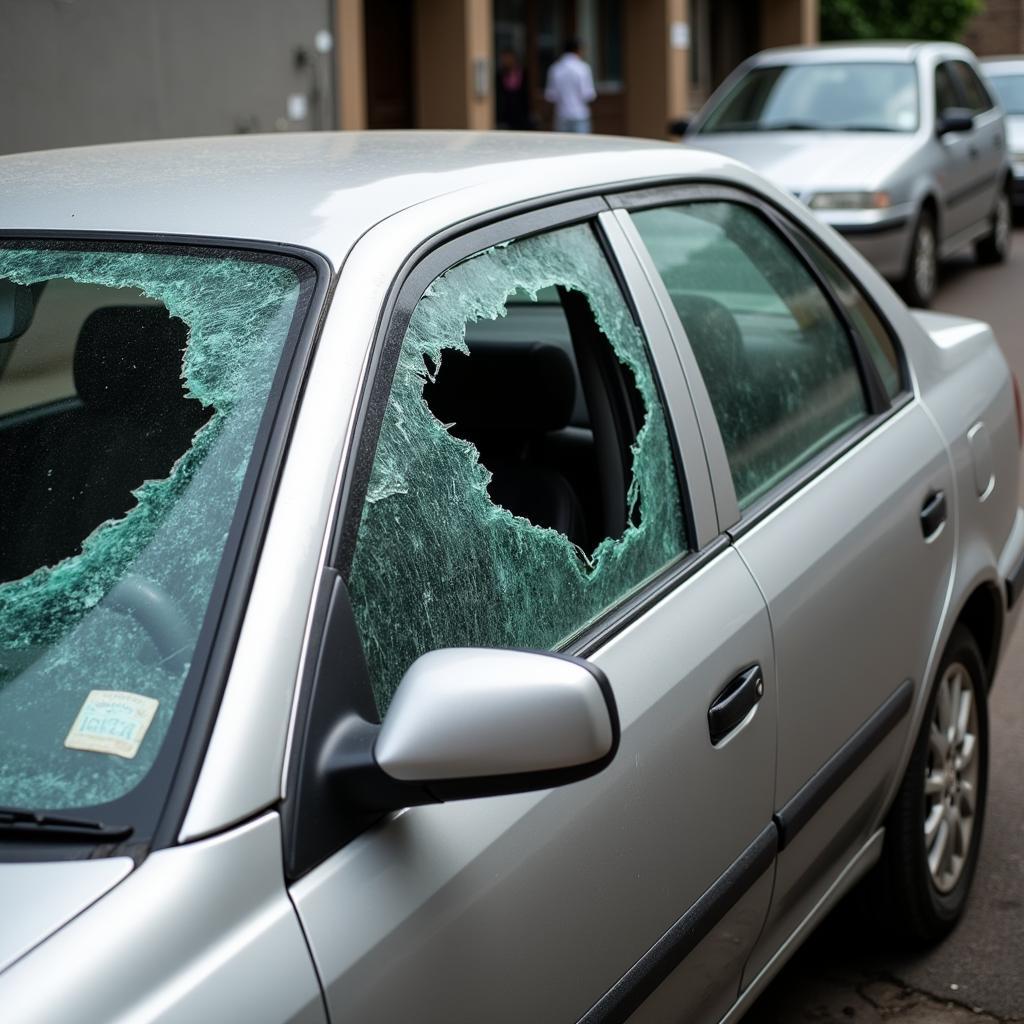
318 189
867 52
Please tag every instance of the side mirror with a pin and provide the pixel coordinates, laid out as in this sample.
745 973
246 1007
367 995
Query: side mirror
473 722
954 119
678 127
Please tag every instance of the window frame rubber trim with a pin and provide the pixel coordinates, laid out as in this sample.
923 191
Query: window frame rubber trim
192 723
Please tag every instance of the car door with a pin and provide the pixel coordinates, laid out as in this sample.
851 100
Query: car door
958 170
987 146
844 490
641 890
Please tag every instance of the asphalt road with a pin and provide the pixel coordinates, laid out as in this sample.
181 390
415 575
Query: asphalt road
977 974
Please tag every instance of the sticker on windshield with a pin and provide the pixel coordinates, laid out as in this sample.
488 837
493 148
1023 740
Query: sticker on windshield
112 722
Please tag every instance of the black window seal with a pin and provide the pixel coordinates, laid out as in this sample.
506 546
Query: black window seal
814 467
184 746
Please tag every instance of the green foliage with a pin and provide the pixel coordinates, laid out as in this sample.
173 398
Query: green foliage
896 19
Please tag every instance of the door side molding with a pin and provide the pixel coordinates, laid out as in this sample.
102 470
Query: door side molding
814 793
641 980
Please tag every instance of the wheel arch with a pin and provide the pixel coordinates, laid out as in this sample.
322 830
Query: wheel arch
982 615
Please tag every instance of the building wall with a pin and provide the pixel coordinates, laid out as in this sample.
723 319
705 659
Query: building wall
76 72
999 29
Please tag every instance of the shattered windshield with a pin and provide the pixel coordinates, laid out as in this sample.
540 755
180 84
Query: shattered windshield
132 384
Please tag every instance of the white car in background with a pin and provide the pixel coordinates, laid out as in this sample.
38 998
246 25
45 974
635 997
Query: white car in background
899 146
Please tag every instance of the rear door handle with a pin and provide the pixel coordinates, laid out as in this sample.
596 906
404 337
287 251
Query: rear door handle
933 514
735 702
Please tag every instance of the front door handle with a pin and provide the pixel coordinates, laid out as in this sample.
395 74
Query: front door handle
735 702
933 514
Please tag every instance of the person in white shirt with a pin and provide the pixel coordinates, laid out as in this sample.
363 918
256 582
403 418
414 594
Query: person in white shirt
570 87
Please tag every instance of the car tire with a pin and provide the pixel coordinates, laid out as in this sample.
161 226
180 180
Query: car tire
919 888
995 246
920 279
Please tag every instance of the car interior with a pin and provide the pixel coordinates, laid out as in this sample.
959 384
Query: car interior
552 412
88 414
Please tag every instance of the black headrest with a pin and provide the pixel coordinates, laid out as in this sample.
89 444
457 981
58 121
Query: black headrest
523 388
130 355
713 332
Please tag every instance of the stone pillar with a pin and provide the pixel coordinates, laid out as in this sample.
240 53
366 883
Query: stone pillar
788 22
656 56
454 44
350 54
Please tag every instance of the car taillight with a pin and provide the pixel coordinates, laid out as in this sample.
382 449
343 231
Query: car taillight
1017 408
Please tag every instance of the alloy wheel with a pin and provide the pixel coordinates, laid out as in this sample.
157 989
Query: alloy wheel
951 778
925 266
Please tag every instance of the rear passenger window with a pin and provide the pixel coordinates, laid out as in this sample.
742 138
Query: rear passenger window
777 361
872 332
523 481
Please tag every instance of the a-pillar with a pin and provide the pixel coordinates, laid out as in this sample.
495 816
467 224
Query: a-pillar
656 37
454 58
787 22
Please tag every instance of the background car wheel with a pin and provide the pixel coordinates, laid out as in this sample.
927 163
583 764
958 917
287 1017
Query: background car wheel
933 832
995 246
921 278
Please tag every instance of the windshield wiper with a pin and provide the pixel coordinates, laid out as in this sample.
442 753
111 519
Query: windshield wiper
14 821
793 126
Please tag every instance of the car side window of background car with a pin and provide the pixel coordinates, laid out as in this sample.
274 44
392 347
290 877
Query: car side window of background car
877 339
775 357
975 93
523 481
946 94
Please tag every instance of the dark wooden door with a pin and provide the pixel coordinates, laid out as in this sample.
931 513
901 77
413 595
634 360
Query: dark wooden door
389 64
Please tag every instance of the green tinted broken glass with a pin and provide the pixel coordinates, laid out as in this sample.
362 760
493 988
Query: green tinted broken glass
74 626
437 562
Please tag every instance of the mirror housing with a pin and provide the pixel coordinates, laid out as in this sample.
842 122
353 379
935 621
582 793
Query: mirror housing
679 126
475 722
954 119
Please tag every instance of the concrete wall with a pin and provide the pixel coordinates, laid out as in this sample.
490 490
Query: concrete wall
75 72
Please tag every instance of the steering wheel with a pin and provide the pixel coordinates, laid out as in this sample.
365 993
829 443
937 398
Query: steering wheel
155 610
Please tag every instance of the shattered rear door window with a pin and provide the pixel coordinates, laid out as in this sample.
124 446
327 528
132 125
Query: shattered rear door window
132 383
523 481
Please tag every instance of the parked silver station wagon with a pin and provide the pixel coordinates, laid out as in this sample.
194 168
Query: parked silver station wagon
899 146
453 577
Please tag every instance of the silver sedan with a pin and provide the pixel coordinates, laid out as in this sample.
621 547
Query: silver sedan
899 146
458 578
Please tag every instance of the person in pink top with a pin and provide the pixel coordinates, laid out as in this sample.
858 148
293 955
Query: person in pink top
570 87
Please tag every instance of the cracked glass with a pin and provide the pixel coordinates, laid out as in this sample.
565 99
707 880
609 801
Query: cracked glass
502 509
132 384
777 361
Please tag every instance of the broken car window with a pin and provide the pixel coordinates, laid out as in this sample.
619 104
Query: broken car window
523 481
131 387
